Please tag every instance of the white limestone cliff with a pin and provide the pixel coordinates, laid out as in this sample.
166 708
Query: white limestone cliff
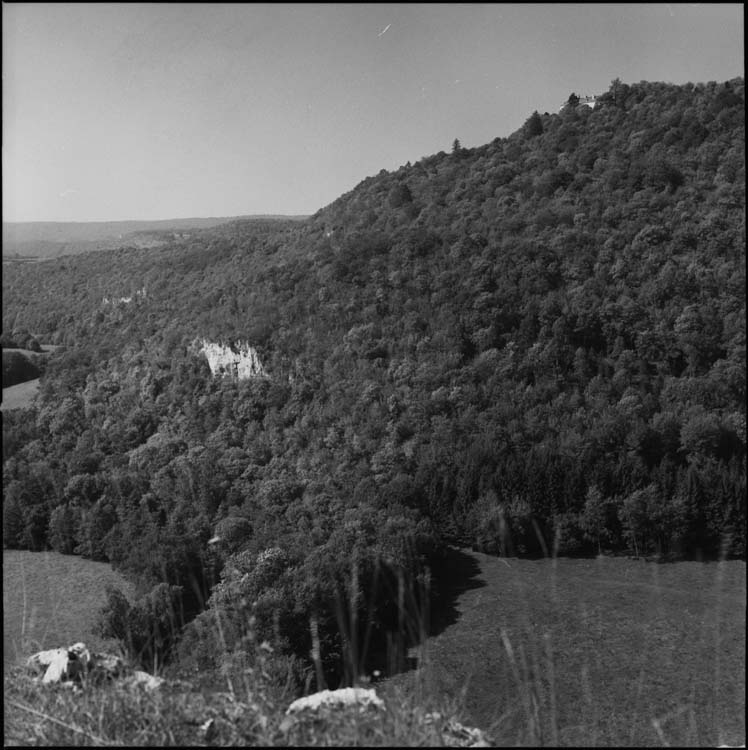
238 360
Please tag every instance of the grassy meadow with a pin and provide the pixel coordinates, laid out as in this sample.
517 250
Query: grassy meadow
594 652
575 652
51 600
19 396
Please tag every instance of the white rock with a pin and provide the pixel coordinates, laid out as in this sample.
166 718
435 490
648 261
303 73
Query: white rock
44 658
351 696
148 681
58 667
240 361
66 665
62 663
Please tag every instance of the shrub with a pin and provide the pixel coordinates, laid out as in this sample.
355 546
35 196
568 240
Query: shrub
593 520
568 536
63 525
149 628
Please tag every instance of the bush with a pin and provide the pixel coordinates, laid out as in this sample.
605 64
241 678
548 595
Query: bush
63 525
568 535
13 523
147 629
593 520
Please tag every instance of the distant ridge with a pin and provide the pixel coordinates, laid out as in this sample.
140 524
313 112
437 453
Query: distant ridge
46 239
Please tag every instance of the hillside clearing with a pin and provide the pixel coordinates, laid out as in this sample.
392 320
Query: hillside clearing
50 600
19 396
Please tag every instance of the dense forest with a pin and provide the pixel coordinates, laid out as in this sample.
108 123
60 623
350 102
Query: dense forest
532 347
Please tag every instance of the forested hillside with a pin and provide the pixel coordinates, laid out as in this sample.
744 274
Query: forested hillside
536 346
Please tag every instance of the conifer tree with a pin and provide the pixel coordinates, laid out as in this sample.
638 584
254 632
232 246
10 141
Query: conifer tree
534 125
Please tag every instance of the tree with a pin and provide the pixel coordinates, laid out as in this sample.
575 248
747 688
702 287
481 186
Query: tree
456 146
594 516
13 520
534 125
63 525
400 195
148 629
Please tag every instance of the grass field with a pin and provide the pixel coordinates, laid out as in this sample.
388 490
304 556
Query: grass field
51 600
19 396
598 652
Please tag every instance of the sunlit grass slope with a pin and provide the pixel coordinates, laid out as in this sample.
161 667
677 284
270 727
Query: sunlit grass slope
51 600
591 652
20 396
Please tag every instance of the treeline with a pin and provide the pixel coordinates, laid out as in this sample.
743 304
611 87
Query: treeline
18 367
533 347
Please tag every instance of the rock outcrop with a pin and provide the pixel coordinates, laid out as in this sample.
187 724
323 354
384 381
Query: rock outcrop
237 359
123 300
326 705
342 698
73 665
61 664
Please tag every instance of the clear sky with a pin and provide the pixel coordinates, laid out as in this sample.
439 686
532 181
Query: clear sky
157 111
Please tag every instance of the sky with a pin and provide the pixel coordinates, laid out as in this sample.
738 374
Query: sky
159 111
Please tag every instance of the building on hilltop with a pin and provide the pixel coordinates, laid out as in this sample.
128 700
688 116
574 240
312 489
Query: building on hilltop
581 101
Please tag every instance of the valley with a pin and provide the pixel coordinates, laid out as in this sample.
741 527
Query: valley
473 399
36 240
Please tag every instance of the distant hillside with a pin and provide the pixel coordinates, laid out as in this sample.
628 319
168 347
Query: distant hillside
532 347
49 239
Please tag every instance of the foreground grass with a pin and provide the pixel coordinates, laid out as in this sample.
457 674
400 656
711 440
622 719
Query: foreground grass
605 652
50 600
179 715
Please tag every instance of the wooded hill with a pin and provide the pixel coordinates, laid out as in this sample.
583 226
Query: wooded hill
535 346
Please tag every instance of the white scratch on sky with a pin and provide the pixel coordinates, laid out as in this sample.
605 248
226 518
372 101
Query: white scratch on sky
65 193
384 29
